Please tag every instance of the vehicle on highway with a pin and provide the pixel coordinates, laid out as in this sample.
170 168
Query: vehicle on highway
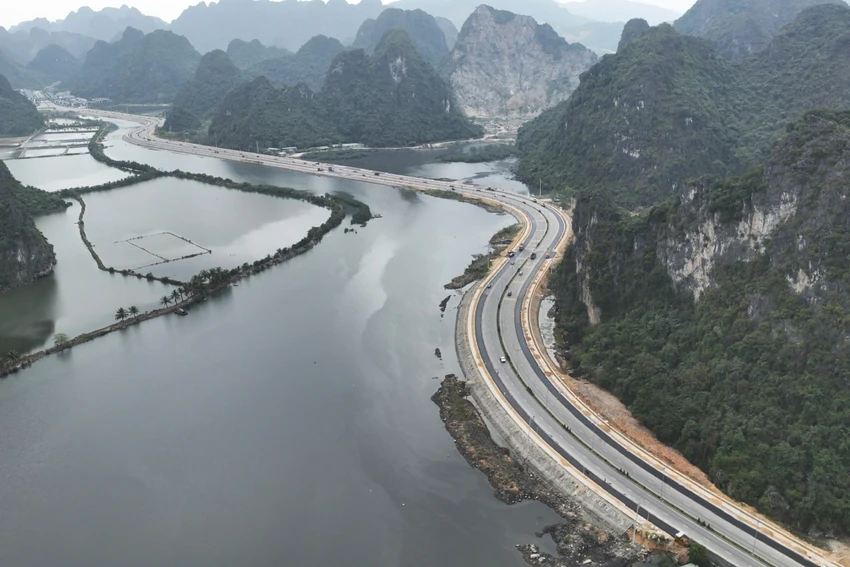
502 359
513 262
547 254
534 255
521 247
489 285
511 254
510 293
519 273
683 539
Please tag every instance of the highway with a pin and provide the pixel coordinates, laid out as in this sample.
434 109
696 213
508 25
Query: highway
612 466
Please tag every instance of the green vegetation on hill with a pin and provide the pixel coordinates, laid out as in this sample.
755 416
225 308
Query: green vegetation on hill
742 27
393 98
24 252
53 63
137 68
257 114
215 76
658 111
179 119
18 116
244 54
633 30
308 66
668 108
428 39
806 67
749 381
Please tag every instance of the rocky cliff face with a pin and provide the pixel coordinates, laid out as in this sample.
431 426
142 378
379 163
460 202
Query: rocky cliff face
791 213
720 320
787 212
25 254
509 65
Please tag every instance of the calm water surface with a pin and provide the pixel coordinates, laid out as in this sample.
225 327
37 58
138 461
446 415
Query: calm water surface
62 172
237 227
75 299
286 422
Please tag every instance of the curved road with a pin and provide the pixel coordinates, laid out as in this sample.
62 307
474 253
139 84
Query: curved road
614 471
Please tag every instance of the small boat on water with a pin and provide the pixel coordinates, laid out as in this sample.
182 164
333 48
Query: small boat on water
182 312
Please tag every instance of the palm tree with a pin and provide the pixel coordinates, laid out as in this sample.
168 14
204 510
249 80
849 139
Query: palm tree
177 295
121 314
60 339
134 311
165 300
12 356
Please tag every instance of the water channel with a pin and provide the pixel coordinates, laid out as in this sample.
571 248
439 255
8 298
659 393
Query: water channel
286 422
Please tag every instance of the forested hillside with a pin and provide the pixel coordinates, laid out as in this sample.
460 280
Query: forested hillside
667 108
243 54
54 63
309 65
18 116
743 27
721 322
137 68
392 98
215 76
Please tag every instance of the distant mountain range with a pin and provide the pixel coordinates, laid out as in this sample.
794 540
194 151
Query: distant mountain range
423 29
284 24
106 24
621 11
289 24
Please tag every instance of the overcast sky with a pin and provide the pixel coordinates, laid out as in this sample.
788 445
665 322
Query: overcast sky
16 11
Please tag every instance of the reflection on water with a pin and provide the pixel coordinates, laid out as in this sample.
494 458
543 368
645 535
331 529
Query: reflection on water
75 299
63 172
237 227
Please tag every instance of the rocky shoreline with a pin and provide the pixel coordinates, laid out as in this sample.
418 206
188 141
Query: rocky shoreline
480 264
577 541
